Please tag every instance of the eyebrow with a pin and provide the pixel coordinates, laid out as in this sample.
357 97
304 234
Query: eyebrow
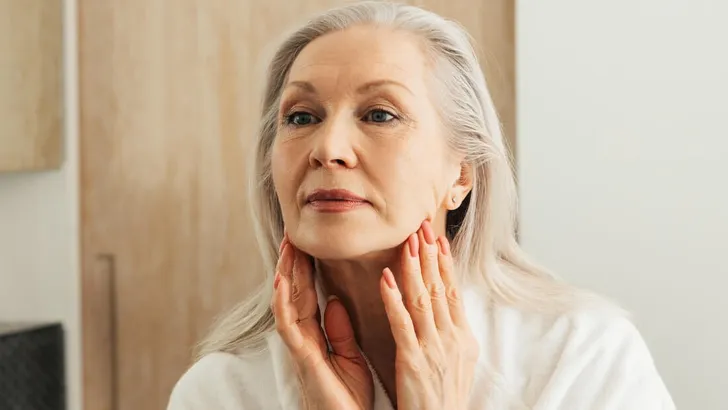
362 89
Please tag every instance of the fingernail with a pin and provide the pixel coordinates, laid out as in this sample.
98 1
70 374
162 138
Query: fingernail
414 245
276 280
331 297
428 233
444 245
389 278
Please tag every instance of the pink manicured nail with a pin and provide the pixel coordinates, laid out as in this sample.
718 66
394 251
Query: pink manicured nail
428 233
444 245
276 280
414 245
389 279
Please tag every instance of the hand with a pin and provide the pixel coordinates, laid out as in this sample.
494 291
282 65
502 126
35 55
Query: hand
436 350
338 379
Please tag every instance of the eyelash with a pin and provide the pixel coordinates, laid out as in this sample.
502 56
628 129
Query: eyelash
288 119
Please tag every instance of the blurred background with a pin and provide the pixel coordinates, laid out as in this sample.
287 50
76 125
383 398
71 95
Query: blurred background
124 131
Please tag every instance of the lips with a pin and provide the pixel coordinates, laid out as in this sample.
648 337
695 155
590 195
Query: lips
334 201
341 195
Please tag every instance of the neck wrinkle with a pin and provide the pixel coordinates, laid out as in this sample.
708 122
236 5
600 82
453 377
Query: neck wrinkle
357 286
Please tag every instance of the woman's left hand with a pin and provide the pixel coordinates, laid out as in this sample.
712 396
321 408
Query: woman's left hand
436 350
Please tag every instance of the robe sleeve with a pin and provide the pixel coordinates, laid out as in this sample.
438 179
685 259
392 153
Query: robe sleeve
603 364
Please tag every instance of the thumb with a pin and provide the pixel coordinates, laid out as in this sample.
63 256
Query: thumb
339 330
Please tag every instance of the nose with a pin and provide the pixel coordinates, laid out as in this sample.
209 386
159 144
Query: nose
333 145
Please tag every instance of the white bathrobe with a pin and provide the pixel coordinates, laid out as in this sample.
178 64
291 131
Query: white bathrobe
587 360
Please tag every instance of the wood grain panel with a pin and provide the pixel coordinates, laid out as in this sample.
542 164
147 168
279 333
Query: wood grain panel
31 95
169 107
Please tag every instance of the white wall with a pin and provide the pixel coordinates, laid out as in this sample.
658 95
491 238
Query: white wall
623 155
39 234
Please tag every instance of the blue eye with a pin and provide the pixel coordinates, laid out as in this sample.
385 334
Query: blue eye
301 118
379 116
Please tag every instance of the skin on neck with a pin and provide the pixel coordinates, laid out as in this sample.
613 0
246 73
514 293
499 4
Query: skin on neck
356 284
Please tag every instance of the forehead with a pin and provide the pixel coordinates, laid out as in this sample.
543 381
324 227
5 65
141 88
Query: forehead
361 54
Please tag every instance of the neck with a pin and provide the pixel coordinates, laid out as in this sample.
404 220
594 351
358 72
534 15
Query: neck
356 284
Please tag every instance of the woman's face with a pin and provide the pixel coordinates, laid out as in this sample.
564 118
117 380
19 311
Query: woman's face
360 156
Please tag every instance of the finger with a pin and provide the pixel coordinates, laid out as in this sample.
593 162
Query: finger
286 316
303 291
283 243
283 260
399 318
302 272
339 331
429 260
284 264
416 298
447 272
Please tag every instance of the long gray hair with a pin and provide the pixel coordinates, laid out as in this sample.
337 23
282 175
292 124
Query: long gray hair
482 230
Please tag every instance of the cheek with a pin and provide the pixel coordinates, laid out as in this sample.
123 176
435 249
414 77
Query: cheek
283 176
412 178
276 160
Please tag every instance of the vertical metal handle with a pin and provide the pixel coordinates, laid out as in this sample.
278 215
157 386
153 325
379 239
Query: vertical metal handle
110 261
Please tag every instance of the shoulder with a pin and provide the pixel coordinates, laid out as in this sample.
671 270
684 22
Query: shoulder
594 358
221 381
599 328
600 337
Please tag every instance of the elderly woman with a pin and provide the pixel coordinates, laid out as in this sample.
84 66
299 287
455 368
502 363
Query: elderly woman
384 204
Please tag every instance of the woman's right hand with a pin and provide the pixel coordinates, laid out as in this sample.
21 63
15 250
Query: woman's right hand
336 379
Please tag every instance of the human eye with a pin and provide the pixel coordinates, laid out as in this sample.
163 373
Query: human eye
301 119
379 115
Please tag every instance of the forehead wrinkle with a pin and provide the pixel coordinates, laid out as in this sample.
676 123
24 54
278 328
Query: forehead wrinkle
359 82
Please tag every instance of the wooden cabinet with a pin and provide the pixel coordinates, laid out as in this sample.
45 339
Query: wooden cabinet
31 83
169 106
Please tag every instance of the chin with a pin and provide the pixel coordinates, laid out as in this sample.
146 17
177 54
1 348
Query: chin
342 241
331 251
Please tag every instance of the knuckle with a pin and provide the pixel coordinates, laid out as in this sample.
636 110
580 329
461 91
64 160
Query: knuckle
430 264
434 258
404 324
295 292
431 256
414 271
453 296
436 290
468 346
421 302
424 344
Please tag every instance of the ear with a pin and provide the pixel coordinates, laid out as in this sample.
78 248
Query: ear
460 188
